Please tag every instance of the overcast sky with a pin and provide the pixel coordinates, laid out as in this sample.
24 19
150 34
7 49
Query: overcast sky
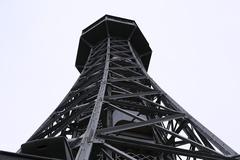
196 58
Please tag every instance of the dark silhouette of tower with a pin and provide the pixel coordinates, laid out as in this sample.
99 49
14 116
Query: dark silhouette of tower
115 111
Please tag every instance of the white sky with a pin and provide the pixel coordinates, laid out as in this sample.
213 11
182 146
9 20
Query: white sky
196 58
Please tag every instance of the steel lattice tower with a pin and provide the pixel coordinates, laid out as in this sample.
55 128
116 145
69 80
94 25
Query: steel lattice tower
115 111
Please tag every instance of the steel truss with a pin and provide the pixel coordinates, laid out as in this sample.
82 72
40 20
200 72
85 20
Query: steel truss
114 82
115 111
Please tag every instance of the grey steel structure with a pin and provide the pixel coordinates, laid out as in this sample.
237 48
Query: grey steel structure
115 111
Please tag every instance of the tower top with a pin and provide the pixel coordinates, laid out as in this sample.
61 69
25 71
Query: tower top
111 26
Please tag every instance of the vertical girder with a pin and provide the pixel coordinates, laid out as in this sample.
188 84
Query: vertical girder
89 135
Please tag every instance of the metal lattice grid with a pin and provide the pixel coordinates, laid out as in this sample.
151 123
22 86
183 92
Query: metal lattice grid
115 111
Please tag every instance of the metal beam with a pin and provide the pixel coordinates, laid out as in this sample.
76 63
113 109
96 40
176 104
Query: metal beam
129 126
119 96
118 151
158 148
87 140
203 130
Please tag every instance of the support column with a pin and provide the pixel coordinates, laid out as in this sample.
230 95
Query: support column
89 135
